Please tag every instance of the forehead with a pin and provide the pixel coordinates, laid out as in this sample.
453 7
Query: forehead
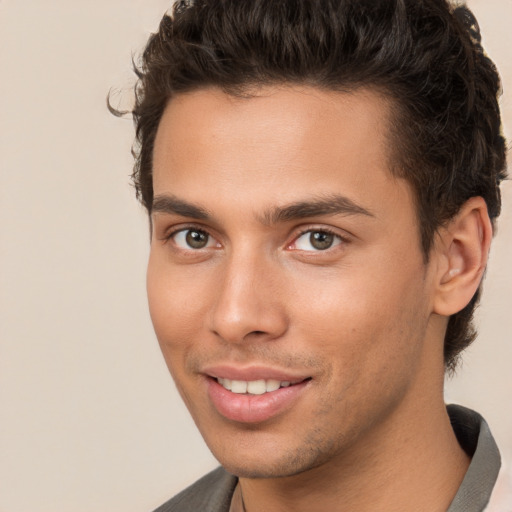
273 115
274 146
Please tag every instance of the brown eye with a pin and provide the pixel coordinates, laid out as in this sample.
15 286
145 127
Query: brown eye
316 241
321 240
196 239
193 239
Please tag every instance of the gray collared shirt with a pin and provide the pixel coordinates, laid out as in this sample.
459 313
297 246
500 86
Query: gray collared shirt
214 492
476 439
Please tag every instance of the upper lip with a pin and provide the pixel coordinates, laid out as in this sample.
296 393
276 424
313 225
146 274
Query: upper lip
251 373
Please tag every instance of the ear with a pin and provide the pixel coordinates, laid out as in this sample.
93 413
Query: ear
461 250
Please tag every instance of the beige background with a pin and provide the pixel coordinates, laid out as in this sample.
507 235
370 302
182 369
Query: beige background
89 418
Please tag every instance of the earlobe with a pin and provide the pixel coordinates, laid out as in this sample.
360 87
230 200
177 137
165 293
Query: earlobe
463 249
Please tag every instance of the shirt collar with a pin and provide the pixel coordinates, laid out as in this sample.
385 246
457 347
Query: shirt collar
476 439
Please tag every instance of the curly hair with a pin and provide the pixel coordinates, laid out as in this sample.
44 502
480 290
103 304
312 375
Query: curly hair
424 55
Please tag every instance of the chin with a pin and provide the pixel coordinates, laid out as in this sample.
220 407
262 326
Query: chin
275 465
260 471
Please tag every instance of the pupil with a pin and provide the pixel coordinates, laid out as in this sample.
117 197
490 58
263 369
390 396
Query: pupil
321 240
197 239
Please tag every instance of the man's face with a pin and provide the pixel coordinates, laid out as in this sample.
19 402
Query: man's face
284 254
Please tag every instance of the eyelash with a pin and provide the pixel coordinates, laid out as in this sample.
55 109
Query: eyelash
311 230
168 236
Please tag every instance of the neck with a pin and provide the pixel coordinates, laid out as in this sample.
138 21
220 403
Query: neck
412 462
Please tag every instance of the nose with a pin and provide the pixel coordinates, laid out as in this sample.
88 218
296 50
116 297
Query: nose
250 302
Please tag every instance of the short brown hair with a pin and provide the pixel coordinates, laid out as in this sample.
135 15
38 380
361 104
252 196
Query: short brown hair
425 55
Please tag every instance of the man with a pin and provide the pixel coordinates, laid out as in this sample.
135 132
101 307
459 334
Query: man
322 182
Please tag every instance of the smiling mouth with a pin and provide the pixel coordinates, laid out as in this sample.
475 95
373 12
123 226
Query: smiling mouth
255 387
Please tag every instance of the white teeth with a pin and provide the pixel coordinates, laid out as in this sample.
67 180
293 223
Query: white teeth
239 386
273 385
253 387
225 383
256 387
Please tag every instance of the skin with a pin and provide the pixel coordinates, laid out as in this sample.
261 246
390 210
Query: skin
364 319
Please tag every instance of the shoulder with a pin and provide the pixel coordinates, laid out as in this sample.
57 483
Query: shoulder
212 493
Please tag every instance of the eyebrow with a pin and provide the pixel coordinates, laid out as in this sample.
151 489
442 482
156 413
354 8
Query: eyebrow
173 205
326 205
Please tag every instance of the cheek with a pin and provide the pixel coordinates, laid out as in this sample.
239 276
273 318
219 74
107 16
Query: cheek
364 319
176 313
176 305
371 341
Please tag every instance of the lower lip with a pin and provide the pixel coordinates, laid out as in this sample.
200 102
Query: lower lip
247 408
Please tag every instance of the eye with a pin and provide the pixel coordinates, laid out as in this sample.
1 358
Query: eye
193 239
319 240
